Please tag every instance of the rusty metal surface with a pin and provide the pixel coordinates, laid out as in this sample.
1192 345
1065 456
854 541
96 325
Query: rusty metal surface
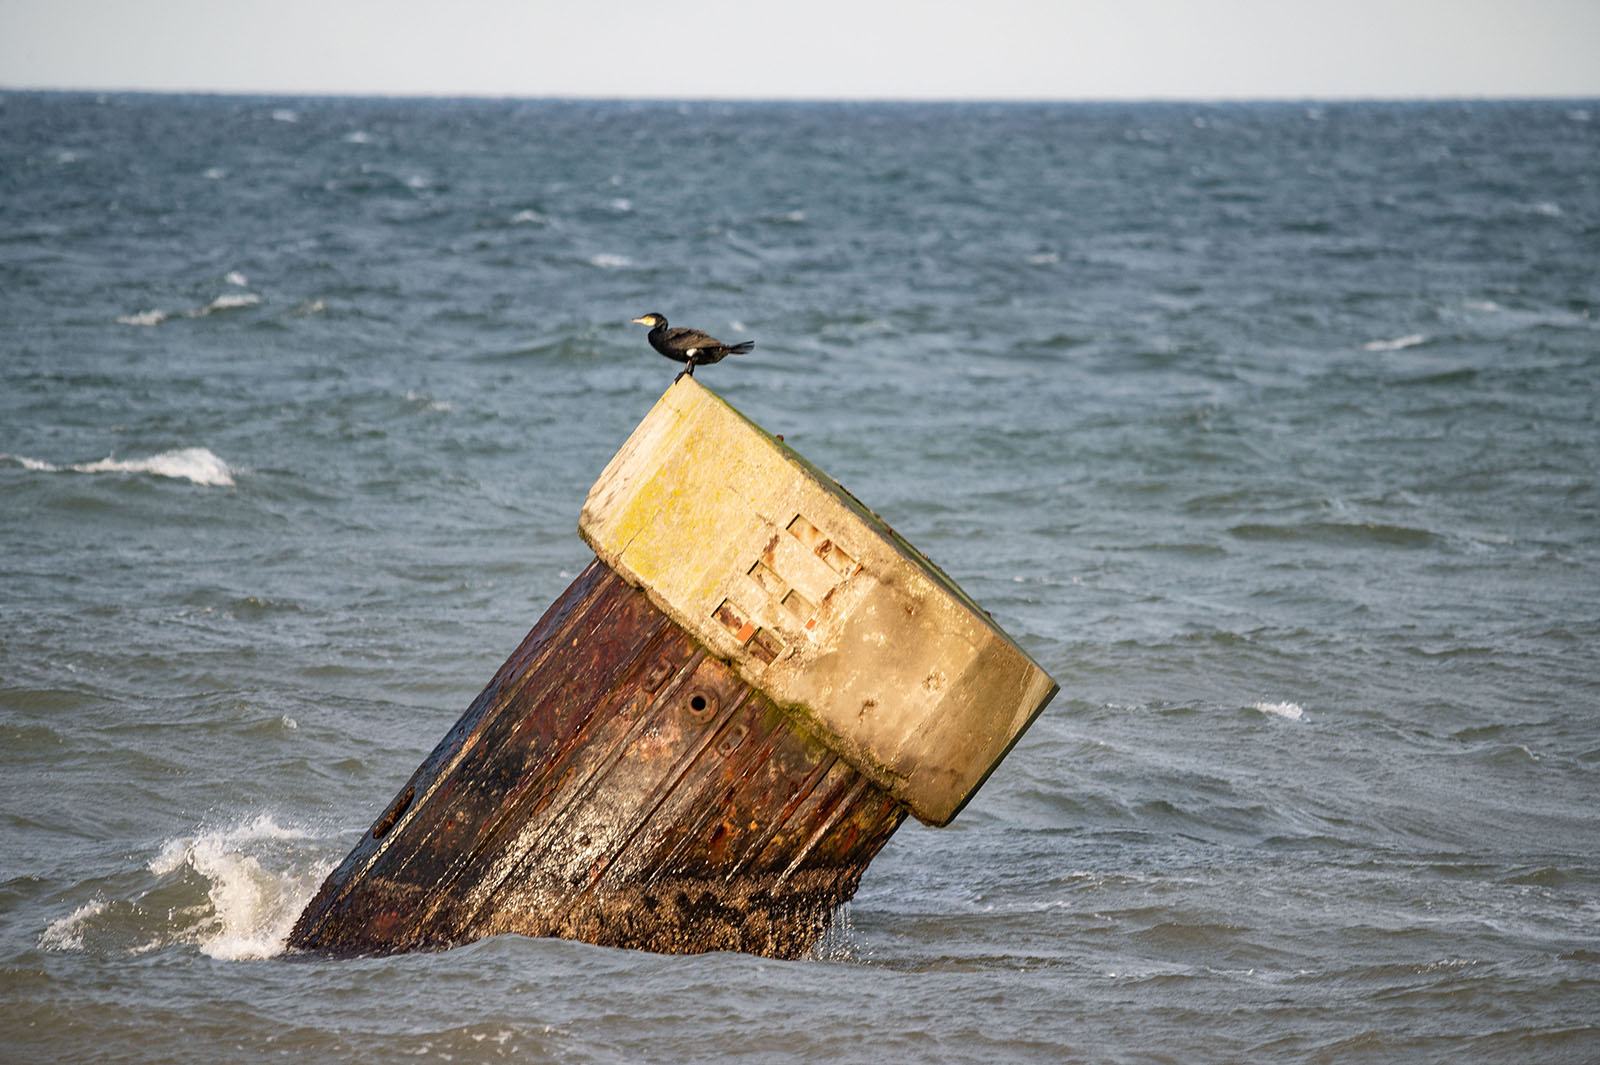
613 783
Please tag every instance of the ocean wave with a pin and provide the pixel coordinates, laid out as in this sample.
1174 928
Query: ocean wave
234 893
228 302
197 464
150 317
1338 533
66 933
1397 344
256 892
1291 711
231 301
428 403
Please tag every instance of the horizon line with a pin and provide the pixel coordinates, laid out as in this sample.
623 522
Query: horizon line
1221 98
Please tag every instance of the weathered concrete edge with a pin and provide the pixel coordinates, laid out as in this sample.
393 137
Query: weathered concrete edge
931 750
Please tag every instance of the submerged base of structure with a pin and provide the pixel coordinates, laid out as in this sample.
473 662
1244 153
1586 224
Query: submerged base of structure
614 783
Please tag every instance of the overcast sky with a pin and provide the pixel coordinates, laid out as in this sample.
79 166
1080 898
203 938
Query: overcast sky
928 49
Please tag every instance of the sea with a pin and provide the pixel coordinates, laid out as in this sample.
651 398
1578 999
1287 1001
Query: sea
1271 430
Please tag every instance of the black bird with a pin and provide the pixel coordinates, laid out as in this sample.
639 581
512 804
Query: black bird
689 346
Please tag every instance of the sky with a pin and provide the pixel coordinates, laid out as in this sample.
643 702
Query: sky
820 49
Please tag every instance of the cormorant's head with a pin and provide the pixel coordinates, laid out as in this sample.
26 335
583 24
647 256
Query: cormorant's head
651 320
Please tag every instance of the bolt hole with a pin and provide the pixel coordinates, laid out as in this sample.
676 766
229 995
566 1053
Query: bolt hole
702 704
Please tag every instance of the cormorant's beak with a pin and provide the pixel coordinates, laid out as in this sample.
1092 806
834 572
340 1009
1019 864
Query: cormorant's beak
643 320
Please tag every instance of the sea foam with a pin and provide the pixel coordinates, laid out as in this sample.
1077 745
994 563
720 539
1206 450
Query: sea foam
1292 711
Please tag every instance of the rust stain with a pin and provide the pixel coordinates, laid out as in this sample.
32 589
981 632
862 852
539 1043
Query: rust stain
617 784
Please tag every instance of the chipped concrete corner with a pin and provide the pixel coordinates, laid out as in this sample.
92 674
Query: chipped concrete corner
814 600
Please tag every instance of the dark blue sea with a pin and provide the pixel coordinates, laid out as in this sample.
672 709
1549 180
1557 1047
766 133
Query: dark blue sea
1270 430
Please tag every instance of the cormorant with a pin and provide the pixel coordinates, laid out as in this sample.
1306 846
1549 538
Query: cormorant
688 346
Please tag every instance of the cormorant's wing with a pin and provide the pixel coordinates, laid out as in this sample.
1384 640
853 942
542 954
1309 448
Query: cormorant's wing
683 339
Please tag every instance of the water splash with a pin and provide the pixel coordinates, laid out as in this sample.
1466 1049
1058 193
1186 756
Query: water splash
255 888
233 892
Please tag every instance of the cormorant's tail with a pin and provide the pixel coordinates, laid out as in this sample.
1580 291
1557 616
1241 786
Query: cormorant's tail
741 347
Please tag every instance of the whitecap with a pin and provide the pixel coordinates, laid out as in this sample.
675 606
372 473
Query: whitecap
214 173
230 302
66 933
234 277
528 217
147 318
609 262
31 464
196 464
1486 306
357 137
1291 711
283 114
1397 344
621 205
